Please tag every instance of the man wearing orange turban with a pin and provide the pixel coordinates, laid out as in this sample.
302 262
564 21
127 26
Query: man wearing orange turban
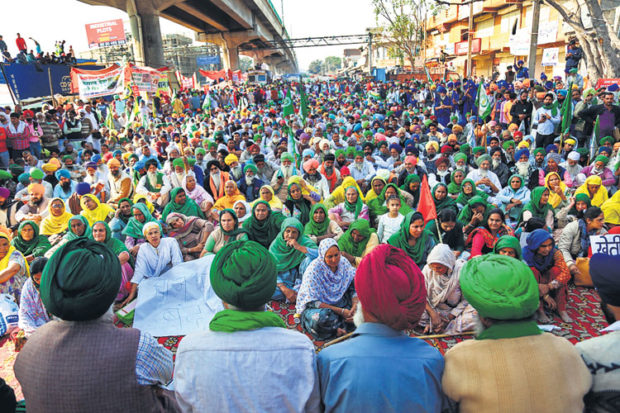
36 208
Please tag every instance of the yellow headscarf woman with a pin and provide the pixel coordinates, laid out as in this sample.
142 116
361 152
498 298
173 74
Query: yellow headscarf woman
594 189
142 198
231 195
93 210
274 203
296 179
337 197
15 276
58 218
554 198
611 209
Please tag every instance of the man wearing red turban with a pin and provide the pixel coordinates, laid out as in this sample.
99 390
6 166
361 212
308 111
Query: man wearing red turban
370 371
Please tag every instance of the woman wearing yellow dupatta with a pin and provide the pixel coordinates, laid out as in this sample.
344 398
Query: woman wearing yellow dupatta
142 198
337 197
231 195
268 195
95 211
594 189
557 190
14 269
57 220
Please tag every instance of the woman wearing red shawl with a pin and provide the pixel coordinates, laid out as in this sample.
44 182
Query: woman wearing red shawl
482 240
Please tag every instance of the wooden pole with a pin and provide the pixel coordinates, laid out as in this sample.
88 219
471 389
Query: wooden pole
49 77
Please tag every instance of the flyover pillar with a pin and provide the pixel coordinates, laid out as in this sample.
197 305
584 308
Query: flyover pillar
144 22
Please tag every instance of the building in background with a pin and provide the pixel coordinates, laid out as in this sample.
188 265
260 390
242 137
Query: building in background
501 36
179 53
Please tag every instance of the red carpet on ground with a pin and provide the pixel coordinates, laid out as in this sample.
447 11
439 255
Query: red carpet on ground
583 308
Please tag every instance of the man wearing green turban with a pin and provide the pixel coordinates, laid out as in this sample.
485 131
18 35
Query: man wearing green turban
56 369
243 275
510 349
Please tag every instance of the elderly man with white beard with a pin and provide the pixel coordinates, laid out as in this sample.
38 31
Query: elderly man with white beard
178 172
524 168
155 185
279 181
485 180
571 165
361 170
498 167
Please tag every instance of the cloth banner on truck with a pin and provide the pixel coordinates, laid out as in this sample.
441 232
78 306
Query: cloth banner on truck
96 83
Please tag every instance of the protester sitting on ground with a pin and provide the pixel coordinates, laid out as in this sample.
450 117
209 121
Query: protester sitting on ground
102 233
594 189
392 296
472 214
512 198
14 270
190 232
94 211
551 273
156 256
350 210
505 295
227 231
574 242
293 252
358 241
298 203
78 286
482 239
378 205
574 210
390 222
413 238
446 310
181 204
267 194
243 210
55 224
32 313
36 209
320 227
447 230
198 194
121 218
227 200
602 351
508 245
538 207
134 236
29 242
326 300
263 226
611 210
243 275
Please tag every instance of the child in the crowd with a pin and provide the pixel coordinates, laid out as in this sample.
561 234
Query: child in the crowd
389 223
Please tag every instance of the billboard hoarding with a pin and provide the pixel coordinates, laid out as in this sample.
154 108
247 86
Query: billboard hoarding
108 33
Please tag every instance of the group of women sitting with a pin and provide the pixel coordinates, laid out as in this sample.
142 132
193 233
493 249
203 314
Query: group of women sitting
317 243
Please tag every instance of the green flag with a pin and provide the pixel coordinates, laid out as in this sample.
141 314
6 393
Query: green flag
206 105
287 105
567 111
303 102
109 120
594 139
483 102
428 76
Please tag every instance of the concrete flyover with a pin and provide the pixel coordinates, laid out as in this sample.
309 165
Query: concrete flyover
230 24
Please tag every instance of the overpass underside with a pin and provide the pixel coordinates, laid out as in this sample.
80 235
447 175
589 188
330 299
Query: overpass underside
238 26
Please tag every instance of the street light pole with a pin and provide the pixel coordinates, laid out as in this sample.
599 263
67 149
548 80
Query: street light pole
470 33
531 59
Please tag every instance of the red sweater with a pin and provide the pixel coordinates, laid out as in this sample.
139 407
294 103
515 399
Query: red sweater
3 147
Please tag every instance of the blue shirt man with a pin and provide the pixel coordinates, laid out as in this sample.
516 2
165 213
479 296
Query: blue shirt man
381 369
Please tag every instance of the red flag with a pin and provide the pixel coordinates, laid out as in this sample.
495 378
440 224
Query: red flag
426 206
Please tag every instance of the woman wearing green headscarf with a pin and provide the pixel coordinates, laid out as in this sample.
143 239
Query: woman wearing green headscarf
133 230
78 227
538 207
412 238
293 251
264 224
320 226
441 198
378 207
512 198
468 191
29 242
226 232
412 186
358 241
508 245
182 204
472 215
574 210
102 233
350 210
121 218
456 180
